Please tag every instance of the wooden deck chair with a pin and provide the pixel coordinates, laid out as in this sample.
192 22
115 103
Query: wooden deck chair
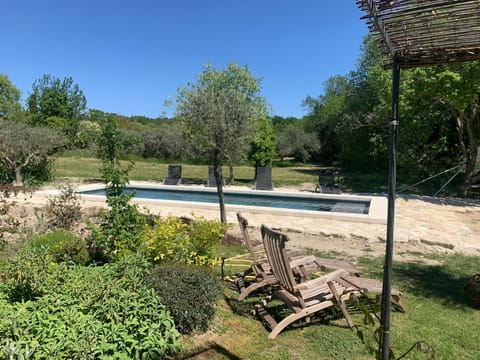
303 265
263 180
328 182
306 298
174 176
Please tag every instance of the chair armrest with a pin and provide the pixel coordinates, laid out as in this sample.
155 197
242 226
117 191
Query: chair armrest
322 279
304 260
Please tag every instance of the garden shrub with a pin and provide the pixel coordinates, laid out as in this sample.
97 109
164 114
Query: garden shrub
24 276
63 246
119 232
39 170
64 210
104 312
189 292
172 240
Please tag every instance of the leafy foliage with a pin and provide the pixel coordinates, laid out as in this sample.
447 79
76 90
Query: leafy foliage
120 230
121 227
92 313
64 209
190 294
173 241
24 276
22 145
295 141
262 148
9 97
63 246
58 103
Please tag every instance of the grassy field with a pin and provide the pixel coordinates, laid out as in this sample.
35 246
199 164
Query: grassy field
88 168
73 165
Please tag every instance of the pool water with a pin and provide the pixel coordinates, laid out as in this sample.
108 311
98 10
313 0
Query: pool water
310 203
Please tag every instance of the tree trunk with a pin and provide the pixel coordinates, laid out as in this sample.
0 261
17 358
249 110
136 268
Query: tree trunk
231 177
468 121
219 182
18 176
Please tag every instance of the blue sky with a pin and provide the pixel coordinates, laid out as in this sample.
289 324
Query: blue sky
129 56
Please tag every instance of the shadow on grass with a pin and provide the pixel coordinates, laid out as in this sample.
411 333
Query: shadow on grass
209 351
444 282
313 172
279 311
433 281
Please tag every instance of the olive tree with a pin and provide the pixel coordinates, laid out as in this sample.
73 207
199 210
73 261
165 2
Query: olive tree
21 144
219 113
295 141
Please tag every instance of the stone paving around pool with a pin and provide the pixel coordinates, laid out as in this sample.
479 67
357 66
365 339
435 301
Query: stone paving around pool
422 224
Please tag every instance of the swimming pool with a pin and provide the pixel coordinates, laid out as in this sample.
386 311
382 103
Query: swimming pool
307 202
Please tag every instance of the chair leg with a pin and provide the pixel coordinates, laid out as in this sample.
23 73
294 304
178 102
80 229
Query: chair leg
307 312
341 304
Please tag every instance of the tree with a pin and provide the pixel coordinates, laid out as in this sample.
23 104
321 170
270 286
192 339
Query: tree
20 144
262 148
9 97
326 118
53 99
87 134
455 89
219 114
295 141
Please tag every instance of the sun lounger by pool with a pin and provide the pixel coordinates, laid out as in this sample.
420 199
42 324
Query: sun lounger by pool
263 180
174 176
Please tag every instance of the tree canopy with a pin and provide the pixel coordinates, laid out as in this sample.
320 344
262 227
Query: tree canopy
21 144
9 97
439 125
56 103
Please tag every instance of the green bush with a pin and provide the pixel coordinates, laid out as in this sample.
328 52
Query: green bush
190 294
64 210
63 246
172 240
90 313
23 276
119 232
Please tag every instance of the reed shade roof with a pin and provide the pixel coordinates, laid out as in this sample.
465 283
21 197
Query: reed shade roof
425 32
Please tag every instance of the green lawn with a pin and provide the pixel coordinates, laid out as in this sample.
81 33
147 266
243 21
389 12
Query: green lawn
437 314
73 165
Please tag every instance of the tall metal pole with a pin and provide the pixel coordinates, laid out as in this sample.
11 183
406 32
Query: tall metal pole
392 180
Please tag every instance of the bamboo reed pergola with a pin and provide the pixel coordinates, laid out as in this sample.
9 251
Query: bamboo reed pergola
425 32
416 33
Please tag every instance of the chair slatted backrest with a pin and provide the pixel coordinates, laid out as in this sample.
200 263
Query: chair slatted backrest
258 268
274 243
243 223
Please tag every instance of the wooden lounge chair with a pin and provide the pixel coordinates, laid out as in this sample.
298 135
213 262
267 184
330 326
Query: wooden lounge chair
174 176
263 180
308 297
259 274
328 182
305 298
